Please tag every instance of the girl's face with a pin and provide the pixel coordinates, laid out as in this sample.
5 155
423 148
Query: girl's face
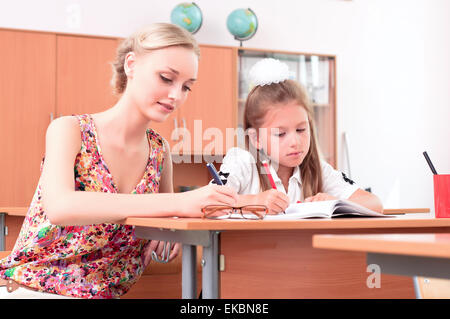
159 81
285 134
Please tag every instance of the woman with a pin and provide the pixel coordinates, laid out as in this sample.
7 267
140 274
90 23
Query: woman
71 243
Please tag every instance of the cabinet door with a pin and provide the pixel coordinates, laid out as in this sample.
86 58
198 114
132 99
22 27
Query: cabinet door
27 98
211 107
84 73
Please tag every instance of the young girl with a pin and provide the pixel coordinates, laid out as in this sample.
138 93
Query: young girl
71 243
279 127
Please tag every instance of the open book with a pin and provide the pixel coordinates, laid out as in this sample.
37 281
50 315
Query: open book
324 209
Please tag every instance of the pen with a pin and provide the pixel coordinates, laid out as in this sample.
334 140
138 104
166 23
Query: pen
433 170
214 174
269 176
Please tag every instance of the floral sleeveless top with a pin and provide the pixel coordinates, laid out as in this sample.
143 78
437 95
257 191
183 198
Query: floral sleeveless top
94 261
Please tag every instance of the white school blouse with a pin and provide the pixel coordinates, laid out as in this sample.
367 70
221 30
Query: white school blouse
243 177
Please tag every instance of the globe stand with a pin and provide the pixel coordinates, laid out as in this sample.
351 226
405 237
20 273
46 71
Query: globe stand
240 41
244 39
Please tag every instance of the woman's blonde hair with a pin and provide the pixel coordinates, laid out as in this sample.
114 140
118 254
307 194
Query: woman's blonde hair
153 37
258 102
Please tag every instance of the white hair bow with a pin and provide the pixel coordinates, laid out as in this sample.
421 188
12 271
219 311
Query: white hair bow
268 71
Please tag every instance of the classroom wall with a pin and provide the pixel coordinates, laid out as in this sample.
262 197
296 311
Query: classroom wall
393 70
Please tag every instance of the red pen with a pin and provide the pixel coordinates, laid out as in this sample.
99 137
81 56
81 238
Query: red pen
269 176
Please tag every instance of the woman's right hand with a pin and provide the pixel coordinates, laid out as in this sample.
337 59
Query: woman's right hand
274 200
193 201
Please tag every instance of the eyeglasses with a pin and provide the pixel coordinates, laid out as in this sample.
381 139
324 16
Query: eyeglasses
253 212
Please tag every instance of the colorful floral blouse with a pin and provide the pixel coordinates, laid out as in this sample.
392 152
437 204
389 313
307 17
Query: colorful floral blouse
94 261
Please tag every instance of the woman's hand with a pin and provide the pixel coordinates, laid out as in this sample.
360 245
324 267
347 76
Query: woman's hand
193 201
158 247
319 197
274 200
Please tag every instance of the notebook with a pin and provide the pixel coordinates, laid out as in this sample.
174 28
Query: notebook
325 209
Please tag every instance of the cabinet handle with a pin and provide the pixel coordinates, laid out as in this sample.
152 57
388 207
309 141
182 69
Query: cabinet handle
184 125
175 124
51 117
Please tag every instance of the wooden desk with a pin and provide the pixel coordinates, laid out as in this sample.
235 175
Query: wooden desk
275 247
402 254
22 211
12 216
275 259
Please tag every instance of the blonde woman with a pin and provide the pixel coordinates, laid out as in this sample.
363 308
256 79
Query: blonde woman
279 127
101 168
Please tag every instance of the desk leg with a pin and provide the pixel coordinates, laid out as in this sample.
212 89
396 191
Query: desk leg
189 272
417 287
210 272
2 231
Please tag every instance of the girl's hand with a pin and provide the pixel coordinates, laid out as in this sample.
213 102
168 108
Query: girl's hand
276 201
158 247
193 201
319 197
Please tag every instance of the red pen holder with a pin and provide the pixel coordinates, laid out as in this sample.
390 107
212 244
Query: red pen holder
442 195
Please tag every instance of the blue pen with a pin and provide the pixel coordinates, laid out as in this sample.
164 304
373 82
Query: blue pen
214 174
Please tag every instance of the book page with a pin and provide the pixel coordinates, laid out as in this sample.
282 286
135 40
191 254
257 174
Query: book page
346 207
322 209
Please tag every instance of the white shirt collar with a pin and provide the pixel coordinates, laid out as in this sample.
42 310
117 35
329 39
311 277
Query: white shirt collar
295 175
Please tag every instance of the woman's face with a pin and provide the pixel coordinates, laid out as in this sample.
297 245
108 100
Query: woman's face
159 81
285 134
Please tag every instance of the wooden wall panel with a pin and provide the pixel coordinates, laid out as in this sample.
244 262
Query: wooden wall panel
213 99
27 98
84 74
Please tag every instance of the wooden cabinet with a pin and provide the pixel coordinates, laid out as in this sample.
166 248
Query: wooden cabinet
27 98
213 103
200 125
83 74
43 76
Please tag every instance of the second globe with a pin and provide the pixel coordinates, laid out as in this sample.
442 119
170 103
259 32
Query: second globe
242 24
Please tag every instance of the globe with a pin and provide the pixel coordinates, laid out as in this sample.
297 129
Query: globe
187 15
242 24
